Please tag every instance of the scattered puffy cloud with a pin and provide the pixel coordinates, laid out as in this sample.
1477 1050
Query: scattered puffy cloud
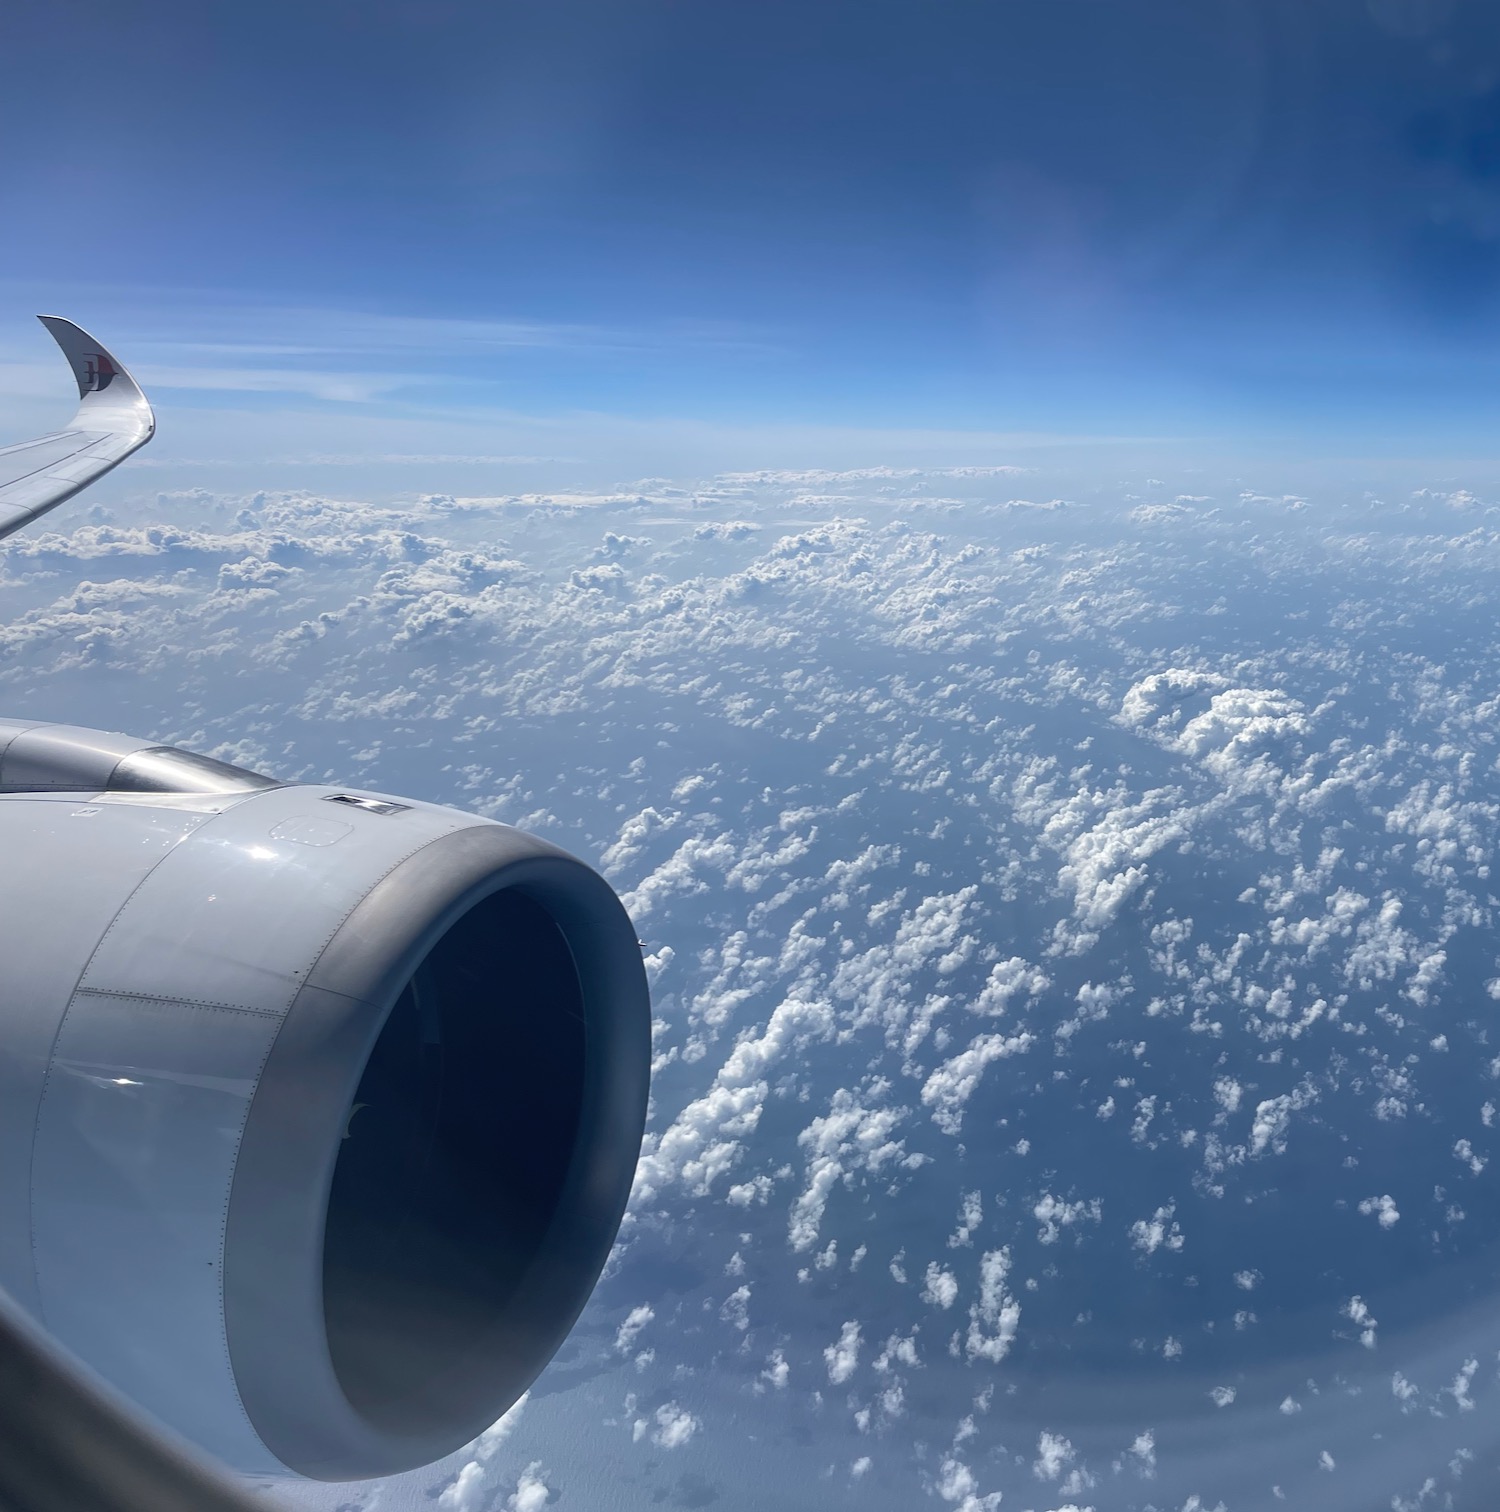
842 1356
532 1492
1053 1455
472 1490
940 1286
1009 980
971 1214
996 1315
957 1484
946 832
1143 1451
1159 1231
1273 1117
1357 1310
1382 1208
1462 1382
628 1331
736 1309
847 1139
670 1427
951 1085
1054 1215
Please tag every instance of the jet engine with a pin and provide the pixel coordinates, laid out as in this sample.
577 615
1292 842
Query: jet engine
318 1108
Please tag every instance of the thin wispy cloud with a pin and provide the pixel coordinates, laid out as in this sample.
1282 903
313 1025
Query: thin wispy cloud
215 344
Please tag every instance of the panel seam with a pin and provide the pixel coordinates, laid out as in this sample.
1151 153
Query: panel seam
167 997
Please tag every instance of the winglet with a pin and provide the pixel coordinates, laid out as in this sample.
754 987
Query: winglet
113 420
109 398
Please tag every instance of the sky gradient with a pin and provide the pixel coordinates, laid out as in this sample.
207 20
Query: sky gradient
1223 224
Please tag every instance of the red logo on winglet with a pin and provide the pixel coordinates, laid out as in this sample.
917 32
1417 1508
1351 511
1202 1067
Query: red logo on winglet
98 372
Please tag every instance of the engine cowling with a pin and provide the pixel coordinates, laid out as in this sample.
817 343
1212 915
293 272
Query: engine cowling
318 1109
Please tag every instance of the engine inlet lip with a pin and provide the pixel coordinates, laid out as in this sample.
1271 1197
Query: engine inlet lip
273 1269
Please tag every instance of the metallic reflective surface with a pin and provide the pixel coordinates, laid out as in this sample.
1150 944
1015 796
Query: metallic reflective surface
193 997
278 1304
48 758
69 1442
163 769
42 758
210 975
113 420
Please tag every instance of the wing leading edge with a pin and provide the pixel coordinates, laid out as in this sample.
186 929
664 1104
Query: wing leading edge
114 419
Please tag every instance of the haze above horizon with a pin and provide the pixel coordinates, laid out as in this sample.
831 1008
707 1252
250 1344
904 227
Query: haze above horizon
1235 225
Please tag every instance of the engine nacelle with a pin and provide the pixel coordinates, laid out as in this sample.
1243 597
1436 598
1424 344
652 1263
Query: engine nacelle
318 1109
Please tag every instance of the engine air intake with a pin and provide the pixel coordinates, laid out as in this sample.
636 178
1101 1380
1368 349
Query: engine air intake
450 1168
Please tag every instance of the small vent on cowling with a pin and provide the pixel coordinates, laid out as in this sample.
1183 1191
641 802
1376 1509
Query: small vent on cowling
369 805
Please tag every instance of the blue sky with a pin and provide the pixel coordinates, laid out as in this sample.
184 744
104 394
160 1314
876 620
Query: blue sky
443 229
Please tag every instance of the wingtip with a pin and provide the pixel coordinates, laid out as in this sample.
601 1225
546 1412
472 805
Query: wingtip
105 387
114 419
59 327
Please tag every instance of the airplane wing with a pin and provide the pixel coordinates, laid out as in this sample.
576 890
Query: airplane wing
70 1442
113 420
